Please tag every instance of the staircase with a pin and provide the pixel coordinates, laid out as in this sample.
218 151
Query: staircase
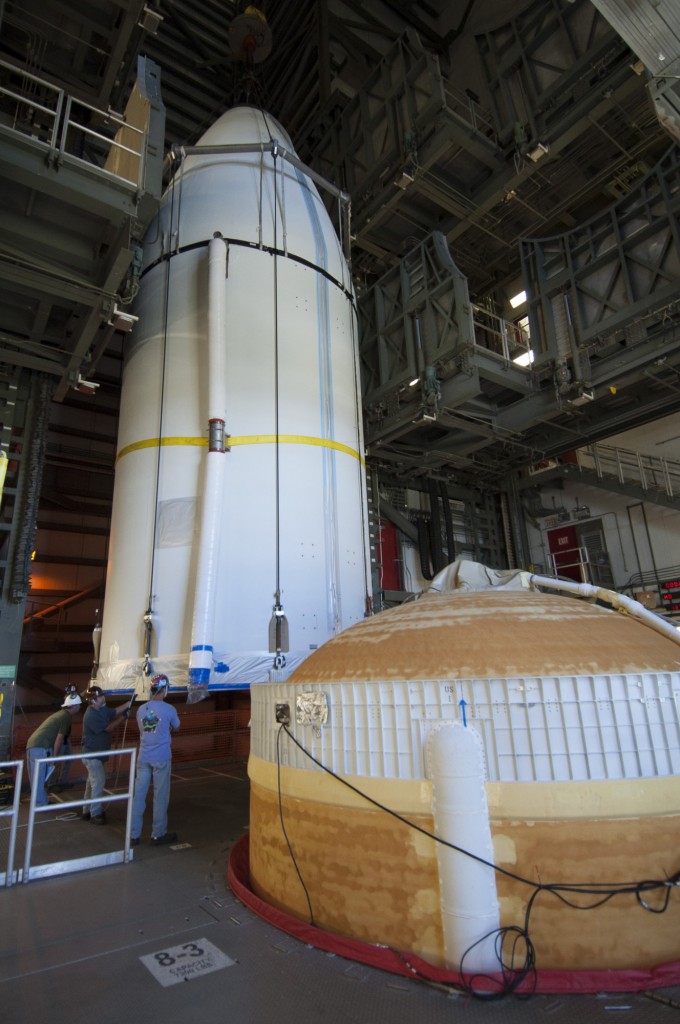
645 477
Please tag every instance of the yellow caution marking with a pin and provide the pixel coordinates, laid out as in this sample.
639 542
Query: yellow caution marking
202 442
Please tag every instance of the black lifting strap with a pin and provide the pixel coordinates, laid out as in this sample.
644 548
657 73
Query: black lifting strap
448 522
435 528
424 550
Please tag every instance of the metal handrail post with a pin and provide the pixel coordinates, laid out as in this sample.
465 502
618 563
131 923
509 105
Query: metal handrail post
31 819
57 120
667 478
504 340
128 820
65 125
19 765
641 470
9 880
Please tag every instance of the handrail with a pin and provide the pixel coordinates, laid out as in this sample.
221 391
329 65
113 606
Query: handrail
651 472
81 863
581 562
468 109
500 337
14 813
62 126
67 602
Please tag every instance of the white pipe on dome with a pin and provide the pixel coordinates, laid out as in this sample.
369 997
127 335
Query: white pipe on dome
201 654
619 601
468 899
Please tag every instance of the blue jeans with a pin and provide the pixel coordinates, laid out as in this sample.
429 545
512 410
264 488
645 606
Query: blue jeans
65 767
160 773
94 787
38 774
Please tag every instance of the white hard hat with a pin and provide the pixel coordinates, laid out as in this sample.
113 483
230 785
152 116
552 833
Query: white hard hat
71 700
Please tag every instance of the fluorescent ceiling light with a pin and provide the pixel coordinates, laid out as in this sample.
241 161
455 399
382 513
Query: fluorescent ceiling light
518 299
525 359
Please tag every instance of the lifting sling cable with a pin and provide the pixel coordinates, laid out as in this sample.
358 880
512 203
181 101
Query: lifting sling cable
363 487
278 627
326 412
148 615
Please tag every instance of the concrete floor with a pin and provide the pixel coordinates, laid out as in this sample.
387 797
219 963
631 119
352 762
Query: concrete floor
110 944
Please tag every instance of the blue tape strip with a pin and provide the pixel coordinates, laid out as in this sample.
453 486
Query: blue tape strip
199 676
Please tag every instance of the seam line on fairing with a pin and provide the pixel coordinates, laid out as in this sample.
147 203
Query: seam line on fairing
318 442
261 248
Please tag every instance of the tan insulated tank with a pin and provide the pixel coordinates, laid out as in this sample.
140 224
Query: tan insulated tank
539 732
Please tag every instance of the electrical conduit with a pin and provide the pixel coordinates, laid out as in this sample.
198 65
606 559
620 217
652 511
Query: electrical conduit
201 655
621 602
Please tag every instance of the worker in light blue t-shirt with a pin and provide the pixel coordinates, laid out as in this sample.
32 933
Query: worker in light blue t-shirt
156 720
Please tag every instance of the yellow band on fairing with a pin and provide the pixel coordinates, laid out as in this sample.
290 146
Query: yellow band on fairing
594 799
507 801
406 796
202 442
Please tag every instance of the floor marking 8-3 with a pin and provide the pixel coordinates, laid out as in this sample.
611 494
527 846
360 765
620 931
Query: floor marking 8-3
185 962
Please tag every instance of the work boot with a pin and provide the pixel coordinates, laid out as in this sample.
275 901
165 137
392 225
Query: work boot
85 815
169 837
98 819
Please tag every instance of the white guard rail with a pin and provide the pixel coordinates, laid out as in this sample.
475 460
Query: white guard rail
93 860
650 472
69 128
7 877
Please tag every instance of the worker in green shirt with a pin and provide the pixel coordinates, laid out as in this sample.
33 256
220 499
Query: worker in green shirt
47 741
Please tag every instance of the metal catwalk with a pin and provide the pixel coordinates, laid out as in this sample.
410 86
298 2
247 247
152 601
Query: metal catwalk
163 939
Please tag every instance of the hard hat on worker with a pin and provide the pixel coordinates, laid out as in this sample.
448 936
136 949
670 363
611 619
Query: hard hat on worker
158 683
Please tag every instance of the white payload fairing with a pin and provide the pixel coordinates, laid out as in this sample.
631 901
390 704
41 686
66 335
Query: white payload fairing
239 539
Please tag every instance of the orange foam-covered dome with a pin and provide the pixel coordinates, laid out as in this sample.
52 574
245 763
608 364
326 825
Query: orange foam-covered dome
488 635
